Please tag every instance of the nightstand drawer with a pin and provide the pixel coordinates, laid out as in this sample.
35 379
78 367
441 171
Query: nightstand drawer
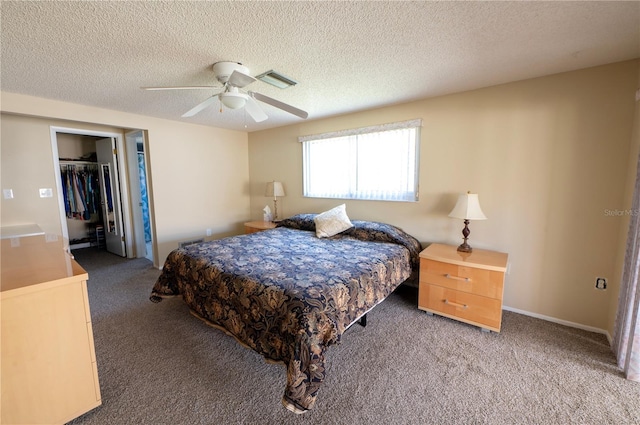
480 311
473 280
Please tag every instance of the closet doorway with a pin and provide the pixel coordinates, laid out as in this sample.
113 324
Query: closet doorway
93 189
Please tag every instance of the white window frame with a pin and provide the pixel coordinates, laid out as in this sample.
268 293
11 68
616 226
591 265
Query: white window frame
346 163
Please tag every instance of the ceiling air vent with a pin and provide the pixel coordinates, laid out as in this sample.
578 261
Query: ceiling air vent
276 79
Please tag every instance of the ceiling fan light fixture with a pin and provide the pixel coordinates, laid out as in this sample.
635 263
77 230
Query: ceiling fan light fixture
276 79
233 100
234 76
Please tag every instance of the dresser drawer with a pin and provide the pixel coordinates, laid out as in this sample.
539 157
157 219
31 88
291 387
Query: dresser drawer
488 283
477 310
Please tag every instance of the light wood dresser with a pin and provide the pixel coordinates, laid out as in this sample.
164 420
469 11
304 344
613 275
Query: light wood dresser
258 226
463 286
49 371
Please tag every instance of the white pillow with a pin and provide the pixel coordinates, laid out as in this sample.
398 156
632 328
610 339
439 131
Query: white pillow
332 222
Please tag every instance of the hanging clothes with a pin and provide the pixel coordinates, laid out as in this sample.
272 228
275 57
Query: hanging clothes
80 190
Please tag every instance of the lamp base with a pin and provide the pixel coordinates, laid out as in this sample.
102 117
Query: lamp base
465 247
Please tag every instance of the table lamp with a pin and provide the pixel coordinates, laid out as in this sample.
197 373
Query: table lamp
275 189
467 208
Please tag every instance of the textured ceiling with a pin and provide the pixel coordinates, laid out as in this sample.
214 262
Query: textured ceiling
347 56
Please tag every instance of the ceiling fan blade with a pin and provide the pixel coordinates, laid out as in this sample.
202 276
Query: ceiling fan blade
240 79
255 110
180 88
280 105
200 106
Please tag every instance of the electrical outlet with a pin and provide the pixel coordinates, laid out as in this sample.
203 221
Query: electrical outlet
46 193
8 193
601 283
208 232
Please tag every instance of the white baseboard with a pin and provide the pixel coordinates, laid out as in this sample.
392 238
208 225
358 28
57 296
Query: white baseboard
559 321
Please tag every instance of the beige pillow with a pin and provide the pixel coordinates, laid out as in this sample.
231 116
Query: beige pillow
332 222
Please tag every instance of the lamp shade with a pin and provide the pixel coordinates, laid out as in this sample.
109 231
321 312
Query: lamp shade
468 208
274 189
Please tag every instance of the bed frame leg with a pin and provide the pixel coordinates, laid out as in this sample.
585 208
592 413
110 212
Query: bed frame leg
363 321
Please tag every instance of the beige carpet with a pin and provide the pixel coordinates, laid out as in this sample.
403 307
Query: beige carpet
160 365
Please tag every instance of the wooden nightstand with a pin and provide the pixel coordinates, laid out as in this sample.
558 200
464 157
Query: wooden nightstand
258 226
464 287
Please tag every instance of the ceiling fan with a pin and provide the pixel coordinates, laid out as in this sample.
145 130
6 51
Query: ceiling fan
234 76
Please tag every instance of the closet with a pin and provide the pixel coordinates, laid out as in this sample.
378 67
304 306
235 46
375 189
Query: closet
81 190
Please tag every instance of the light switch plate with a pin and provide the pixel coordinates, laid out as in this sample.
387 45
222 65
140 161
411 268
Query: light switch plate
8 193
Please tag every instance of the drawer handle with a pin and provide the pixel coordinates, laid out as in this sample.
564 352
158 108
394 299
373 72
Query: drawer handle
466 279
446 301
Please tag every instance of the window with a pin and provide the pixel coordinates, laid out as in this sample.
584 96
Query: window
373 163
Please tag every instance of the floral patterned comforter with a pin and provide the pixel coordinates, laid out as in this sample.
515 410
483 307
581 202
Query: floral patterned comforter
289 295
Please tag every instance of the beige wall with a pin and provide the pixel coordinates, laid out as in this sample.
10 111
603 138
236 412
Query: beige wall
199 175
27 165
547 157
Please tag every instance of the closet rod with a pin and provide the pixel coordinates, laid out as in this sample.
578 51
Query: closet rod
64 162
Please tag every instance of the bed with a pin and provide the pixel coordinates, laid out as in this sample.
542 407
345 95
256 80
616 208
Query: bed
289 294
